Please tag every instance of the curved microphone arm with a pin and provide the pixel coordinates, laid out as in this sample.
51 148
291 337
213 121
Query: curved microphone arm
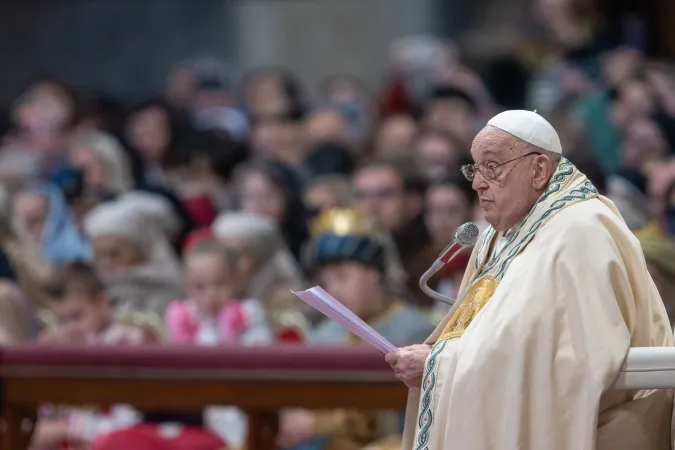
424 279
465 236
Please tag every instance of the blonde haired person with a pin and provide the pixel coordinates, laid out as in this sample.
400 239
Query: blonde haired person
34 273
103 160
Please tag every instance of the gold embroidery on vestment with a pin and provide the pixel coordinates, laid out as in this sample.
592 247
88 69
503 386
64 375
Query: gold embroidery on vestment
476 297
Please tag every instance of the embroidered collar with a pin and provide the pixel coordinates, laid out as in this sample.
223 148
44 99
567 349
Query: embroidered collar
568 186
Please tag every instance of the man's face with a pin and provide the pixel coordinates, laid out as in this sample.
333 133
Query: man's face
381 196
507 198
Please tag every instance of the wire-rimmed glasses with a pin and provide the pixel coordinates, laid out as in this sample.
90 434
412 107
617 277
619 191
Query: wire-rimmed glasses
487 170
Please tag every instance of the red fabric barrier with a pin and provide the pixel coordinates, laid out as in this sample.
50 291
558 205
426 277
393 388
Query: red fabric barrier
268 358
151 437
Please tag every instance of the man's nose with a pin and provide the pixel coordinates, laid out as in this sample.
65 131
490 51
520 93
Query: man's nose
479 182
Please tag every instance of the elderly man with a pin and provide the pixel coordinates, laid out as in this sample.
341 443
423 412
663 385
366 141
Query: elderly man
556 292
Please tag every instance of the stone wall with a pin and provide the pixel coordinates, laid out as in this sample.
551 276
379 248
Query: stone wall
127 47
123 47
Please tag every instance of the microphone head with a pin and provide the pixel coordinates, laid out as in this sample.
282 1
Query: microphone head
467 234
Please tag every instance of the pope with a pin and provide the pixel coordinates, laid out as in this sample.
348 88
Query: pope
556 292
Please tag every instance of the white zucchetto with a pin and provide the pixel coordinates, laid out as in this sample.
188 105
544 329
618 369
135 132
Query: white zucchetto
530 127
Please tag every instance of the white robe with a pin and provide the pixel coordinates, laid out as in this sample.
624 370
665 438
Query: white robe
534 368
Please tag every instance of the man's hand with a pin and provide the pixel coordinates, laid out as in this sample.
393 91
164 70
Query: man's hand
408 363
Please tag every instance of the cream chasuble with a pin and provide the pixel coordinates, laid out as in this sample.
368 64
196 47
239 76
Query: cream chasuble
526 358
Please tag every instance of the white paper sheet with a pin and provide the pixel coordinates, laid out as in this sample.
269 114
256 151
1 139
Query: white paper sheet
320 300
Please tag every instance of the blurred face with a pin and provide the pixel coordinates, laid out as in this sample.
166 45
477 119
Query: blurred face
81 315
114 254
446 209
354 285
322 197
636 100
86 160
452 115
148 131
620 65
265 96
394 136
31 210
208 282
659 177
643 141
506 199
181 86
258 195
325 126
435 155
245 263
380 195
278 139
41 116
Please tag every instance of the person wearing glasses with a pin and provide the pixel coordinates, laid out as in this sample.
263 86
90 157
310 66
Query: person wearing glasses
555 293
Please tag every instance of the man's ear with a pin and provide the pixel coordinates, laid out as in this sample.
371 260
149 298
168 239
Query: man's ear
543 170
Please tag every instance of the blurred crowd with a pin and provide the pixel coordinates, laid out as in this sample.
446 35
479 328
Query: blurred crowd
188 218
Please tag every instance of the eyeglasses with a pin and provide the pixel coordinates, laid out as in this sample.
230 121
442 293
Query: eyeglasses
488 171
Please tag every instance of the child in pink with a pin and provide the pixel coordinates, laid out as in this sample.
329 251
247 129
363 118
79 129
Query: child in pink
211 315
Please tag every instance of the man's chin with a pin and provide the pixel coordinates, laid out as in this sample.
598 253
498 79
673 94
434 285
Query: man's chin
492 220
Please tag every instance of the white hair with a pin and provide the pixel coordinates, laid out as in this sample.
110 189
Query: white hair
156 209
260 233
151 284
275 263
121 220
112 155
133 218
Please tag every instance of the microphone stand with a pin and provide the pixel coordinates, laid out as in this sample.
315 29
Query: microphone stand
424 279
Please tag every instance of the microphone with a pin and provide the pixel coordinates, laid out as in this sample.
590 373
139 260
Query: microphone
465 236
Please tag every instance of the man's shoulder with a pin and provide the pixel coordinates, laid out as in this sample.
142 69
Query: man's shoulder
594 213
586 221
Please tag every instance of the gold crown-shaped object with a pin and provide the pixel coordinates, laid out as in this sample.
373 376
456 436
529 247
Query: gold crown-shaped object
341 221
